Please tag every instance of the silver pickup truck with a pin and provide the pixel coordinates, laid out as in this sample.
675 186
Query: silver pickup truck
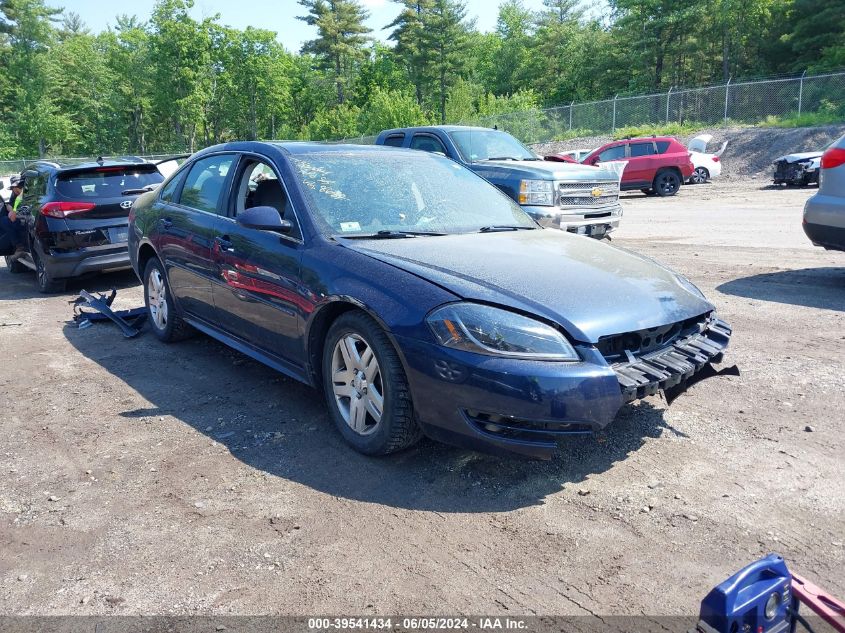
578 198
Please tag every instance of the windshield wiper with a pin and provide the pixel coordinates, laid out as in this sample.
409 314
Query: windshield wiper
391 235
504 227
501 158
135 192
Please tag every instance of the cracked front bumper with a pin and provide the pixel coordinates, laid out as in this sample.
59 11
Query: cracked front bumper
673 365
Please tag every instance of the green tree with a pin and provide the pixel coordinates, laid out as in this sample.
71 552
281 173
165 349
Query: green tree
658 35
180 50
388 109
336 123
128 59
38 123
817 38
341 36
408 29
381 70
445 43
81 89
514 29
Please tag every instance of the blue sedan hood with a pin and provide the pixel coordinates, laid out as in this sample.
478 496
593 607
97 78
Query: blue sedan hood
591 288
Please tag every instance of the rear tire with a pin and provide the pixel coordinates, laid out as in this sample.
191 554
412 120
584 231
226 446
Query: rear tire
666 183
164 318
46 284
366 388
15 267
699 176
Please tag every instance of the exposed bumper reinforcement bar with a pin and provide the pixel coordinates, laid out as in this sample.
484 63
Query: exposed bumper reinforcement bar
674 365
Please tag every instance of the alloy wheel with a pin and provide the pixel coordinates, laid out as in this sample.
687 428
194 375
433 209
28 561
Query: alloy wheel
357 384
157 299
667 183
41 273
699 175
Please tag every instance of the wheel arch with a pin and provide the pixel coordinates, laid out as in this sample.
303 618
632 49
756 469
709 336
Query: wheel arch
673 168
319 324
145 253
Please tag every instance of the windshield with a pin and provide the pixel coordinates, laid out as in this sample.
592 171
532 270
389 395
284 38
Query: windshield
362 193
490 145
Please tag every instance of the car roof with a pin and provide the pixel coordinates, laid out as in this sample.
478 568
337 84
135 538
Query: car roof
300 147
438 128
60 164
647 138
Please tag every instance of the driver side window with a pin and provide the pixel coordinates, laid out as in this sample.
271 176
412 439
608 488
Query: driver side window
259 186
612 153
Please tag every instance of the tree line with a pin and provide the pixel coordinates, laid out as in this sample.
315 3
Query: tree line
174 83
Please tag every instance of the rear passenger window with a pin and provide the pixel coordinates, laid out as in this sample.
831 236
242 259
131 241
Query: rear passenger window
642 149
662 146
170 188
203 188
395 140
612 153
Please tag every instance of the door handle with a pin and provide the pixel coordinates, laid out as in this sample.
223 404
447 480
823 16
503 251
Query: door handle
224 243
166 223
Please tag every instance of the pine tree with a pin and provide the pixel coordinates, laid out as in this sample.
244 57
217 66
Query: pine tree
341 36
445 40
408 35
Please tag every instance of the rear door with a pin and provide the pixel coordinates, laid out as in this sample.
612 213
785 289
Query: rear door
94 202
186 229
642 165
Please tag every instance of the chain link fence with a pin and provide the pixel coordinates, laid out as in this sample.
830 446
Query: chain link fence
746 102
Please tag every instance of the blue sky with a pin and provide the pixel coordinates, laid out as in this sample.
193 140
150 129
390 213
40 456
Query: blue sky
278 15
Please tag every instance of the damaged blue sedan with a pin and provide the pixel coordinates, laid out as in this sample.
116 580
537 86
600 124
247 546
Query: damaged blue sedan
416 296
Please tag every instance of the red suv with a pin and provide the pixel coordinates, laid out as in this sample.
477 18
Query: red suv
656 165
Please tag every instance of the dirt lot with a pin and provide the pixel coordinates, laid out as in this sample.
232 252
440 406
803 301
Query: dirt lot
142 478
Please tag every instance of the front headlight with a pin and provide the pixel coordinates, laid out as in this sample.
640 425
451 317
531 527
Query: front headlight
486 330
537 192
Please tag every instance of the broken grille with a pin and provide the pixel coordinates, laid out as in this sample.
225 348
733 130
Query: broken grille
687 350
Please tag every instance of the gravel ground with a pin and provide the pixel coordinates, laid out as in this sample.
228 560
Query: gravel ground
141 478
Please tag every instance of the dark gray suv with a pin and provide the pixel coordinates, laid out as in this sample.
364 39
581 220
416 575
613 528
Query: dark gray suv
77 217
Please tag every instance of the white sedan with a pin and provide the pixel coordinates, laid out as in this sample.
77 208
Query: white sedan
706 165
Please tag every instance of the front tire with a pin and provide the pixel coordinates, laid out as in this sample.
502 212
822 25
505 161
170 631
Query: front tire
666 183
15 267
366 388
164 319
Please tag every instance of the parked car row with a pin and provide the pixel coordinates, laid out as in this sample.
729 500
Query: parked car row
76 215
655 165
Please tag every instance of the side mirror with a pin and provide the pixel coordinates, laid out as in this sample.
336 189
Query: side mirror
264 219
